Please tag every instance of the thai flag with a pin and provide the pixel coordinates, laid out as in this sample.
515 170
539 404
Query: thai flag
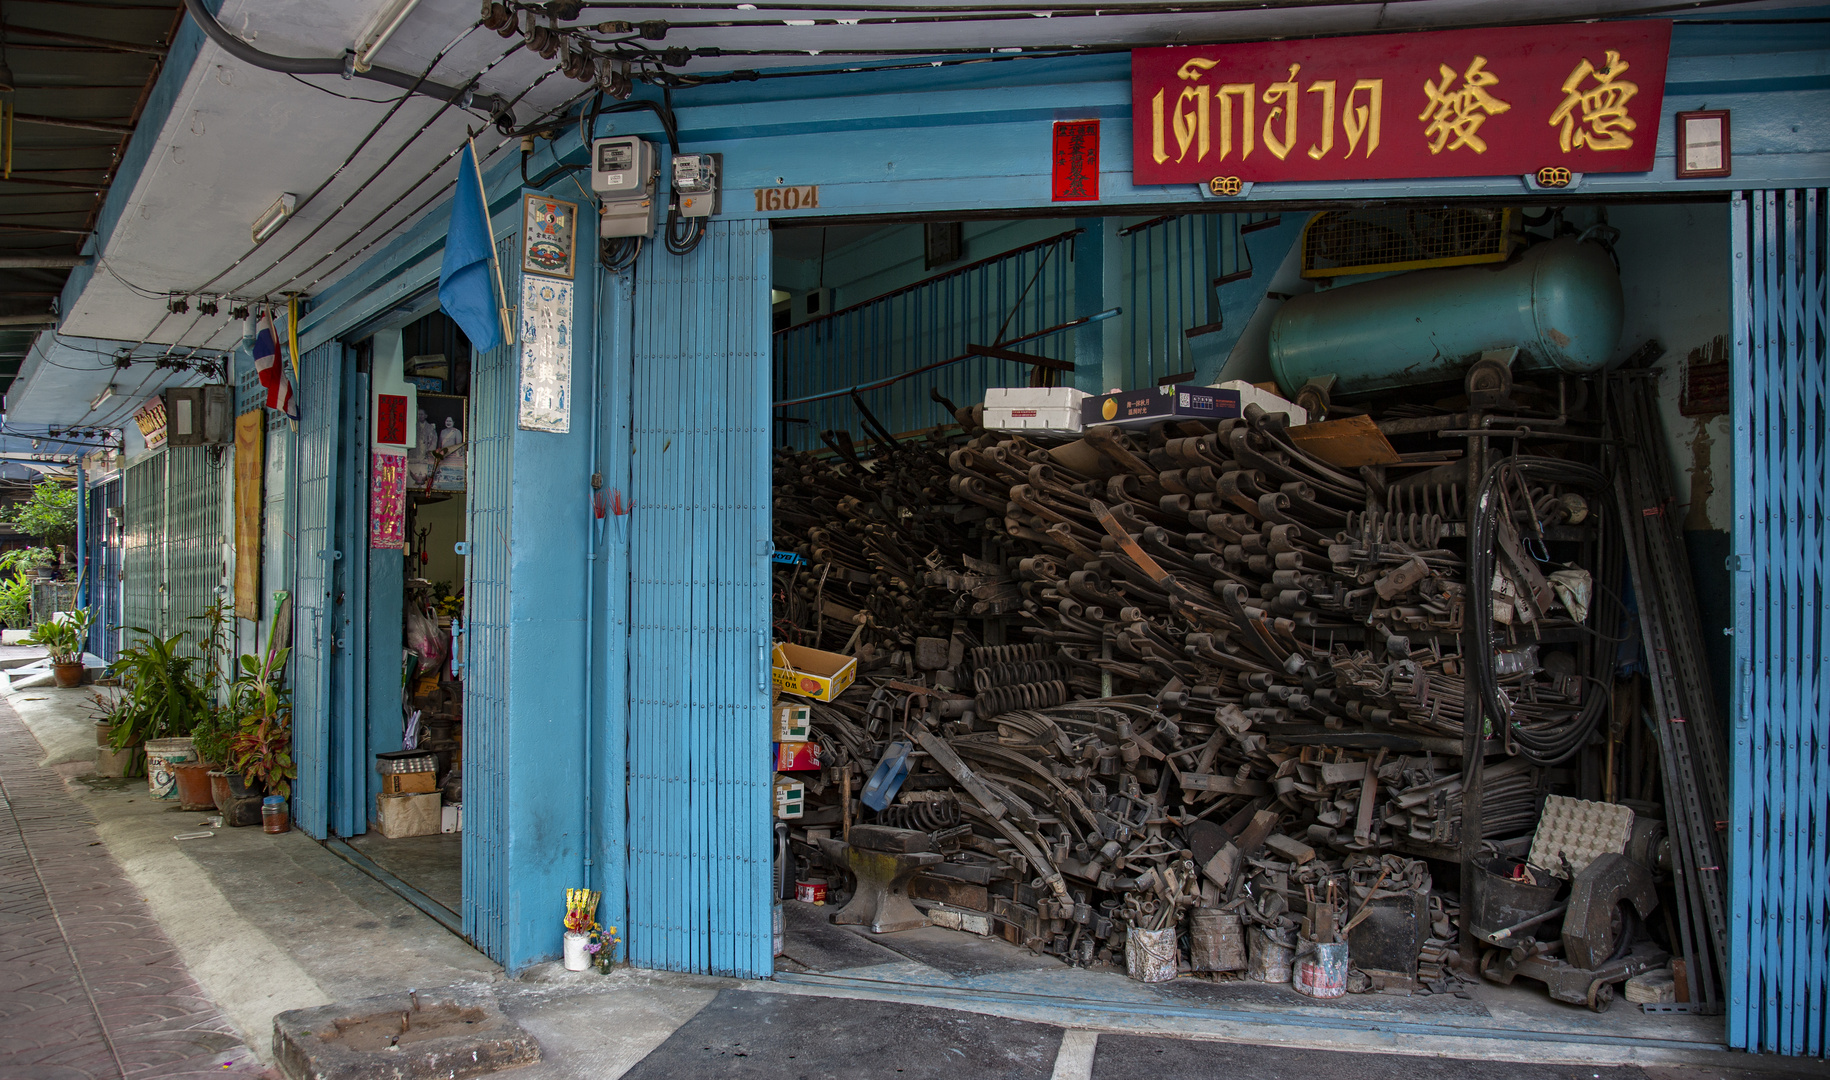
270 364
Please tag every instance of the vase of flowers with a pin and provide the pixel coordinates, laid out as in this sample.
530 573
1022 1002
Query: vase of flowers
587 944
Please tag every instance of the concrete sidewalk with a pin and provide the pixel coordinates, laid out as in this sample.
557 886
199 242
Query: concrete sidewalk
260 924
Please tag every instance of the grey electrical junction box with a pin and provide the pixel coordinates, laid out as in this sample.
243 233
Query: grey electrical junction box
623 175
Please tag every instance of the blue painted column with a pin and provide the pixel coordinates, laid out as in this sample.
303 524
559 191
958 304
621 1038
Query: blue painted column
549 578
1099 359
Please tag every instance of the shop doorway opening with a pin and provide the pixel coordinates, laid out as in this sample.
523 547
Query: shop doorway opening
1201 678
417 579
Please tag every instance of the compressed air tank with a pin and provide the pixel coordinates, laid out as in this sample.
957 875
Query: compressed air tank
1559 302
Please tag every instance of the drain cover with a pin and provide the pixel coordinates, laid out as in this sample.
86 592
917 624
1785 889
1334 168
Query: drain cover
414 1035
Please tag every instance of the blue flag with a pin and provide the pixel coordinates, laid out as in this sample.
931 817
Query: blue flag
465 290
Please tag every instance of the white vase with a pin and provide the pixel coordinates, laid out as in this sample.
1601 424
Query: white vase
577 959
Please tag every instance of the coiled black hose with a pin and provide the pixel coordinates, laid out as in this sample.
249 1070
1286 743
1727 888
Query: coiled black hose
1543 744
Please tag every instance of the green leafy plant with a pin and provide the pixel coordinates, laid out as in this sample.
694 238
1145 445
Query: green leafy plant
64 636
261 748
215 647
164 699
213 733
27 560
16 601
111 708
49 515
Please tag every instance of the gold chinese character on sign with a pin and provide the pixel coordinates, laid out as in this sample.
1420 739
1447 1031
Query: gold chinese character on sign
1455 115
1603 123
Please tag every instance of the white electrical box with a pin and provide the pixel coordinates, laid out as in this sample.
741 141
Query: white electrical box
695 180
1034 410
623 176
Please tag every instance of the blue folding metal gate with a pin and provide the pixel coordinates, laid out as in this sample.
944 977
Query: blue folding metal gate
313 641
1779 951
493 409
699 813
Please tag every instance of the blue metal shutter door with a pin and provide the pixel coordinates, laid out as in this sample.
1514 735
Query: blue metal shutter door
494 379
1779 886
319 390
699 812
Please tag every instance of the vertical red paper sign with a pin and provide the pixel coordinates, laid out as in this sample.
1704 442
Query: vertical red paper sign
388 501
391 419
1076 161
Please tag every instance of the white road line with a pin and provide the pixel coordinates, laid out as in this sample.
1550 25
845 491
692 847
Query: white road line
1074 1061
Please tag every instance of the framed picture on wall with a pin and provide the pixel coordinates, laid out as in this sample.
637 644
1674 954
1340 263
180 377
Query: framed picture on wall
440 452
549 229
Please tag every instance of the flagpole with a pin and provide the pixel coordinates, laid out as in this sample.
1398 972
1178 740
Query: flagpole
494 264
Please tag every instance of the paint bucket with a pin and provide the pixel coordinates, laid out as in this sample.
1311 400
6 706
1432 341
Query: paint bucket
781 929
811 891
161 755
578 957
1322 972
1216 941
1271 951
1150 955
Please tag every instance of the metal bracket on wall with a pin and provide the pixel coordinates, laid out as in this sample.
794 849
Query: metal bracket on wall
330 555
462 547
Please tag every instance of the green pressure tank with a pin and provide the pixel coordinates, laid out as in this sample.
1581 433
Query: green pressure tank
1559 302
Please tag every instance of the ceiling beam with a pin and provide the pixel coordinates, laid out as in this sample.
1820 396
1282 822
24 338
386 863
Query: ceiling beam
79 39
73 122
28 320
42 262
7 226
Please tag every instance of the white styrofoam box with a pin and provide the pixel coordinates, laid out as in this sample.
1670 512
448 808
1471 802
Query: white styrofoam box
1578 831
1040 410
1264 399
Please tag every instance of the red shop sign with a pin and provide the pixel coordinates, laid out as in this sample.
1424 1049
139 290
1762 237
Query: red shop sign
1497 102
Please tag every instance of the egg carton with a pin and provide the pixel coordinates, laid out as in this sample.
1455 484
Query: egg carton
397 762
1574 832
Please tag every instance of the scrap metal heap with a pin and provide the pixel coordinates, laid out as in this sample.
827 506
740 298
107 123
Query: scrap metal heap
1194 667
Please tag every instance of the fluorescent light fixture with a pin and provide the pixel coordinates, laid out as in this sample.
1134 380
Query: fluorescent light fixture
386 21
265 225
107 392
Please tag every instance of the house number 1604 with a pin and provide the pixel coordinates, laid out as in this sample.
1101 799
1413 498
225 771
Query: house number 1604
788 198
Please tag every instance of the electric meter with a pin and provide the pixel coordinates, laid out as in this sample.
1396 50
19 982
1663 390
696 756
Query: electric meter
696 184
623 175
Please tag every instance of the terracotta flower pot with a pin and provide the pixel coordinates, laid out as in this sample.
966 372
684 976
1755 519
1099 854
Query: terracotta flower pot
68 675
194 785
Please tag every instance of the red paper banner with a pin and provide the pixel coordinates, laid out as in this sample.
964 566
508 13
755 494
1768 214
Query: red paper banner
1076 161
1497 102
388 501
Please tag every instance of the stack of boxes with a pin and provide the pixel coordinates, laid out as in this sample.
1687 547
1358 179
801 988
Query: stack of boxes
806 673
409 801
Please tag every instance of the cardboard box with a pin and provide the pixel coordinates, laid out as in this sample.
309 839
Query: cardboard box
793 723
409 783
407 815
812 673
1142 408
796 756
790 797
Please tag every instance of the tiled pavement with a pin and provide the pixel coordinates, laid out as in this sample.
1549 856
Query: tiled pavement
90 987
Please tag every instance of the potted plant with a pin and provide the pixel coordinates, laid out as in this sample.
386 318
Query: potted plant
164 702
260 751
198 780
63 636
111 713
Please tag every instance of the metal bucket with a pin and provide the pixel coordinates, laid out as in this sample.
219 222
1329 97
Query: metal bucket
1216 941
1322 970
1150 955
1501 902
1271 952
161 755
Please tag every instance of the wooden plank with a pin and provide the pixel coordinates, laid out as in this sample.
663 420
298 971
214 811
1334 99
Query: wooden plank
1348 443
